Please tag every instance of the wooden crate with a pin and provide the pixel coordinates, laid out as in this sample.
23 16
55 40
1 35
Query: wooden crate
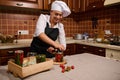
23 72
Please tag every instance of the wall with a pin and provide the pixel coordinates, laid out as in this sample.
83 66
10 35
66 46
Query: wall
12 20
108 19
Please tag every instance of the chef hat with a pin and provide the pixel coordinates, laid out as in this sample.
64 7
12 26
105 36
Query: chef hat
62 7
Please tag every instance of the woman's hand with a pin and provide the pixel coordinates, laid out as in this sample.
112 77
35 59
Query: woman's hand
60 47
50 49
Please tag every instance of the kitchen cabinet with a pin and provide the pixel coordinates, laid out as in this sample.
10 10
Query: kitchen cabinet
113 54
80 48
6 54
84 5
75 5
93 4
40 4
47 4
20 3
70 49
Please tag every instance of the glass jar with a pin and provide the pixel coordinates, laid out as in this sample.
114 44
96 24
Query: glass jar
40 58
59 57
19 55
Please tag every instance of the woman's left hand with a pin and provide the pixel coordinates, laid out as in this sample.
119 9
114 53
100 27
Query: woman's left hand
50 49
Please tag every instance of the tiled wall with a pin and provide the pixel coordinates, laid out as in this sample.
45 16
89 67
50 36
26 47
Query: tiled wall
108 19
12 20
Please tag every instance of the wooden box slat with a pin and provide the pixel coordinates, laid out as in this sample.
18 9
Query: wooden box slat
29 70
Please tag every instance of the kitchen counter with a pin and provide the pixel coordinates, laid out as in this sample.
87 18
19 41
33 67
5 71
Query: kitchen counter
26 43
87 67
20 44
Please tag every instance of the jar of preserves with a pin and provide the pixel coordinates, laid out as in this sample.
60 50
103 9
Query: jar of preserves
40 58
59 56
19 55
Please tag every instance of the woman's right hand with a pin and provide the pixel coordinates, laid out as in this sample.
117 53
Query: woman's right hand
60 47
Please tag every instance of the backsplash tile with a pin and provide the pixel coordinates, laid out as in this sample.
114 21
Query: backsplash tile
13 20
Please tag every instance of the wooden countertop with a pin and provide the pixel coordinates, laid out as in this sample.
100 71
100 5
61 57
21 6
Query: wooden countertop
26 43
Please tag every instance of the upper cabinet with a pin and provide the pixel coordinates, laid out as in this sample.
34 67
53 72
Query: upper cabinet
47 4
84 5
20 3
94 4
75 5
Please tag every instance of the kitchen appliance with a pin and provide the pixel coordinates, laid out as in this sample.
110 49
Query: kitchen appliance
78 36
111 2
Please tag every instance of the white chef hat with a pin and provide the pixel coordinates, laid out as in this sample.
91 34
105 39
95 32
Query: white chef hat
62 7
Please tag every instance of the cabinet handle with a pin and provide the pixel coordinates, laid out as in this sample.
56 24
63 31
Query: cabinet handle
94 6
19 4
10 52
100 50
111 55
84 47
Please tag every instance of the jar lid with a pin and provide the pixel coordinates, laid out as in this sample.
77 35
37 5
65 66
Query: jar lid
19 51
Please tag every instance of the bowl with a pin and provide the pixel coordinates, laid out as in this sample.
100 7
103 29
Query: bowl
99 39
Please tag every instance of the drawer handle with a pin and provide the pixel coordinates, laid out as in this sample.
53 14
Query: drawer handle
100 50
111 55
84 47
19 4
67 49
10 52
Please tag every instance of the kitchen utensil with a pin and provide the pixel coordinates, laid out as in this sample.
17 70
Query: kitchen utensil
78 36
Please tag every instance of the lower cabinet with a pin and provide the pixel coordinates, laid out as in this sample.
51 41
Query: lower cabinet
70 49
80 48
113 54
6 54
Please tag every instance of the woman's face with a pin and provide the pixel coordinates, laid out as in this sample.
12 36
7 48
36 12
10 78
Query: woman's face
56 16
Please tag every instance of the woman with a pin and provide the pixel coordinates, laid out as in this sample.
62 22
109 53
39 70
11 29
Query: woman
48 29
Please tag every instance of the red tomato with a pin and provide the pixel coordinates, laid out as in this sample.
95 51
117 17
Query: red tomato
72 67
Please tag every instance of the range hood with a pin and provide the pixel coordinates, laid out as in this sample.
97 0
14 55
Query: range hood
111 2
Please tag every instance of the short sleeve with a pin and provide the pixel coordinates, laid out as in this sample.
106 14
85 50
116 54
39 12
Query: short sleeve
61 37
40 26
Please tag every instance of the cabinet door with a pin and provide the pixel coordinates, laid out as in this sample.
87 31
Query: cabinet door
32 1
97 51
18 3
94 4
70 4
82 5
82 48
76 6
113 54
90 49
70 50
40 4
47 4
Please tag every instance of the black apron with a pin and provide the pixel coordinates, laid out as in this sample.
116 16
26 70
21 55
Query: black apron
40 46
